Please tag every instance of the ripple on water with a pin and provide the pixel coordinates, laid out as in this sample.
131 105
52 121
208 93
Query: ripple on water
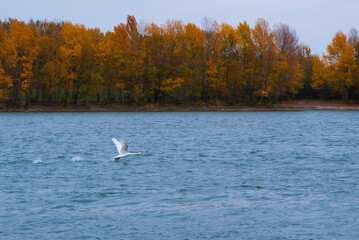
204 176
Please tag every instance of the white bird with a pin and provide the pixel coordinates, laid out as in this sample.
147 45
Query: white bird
122 149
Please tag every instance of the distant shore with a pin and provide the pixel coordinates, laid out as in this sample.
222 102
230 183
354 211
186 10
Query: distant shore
295 105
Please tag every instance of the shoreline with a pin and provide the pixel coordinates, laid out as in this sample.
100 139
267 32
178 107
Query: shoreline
293 105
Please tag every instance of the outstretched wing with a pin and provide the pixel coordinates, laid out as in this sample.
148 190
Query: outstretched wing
118 145
124 146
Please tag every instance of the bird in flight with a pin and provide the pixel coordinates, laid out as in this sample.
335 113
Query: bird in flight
122 149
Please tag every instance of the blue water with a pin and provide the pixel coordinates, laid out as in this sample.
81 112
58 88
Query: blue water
240 175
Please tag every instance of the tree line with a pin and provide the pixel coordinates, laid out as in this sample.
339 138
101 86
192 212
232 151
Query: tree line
61 62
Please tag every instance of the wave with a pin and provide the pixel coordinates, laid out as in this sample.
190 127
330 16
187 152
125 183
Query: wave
77 159
38 160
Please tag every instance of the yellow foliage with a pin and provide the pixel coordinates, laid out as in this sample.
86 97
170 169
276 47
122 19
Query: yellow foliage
121 85
342 66
285 78
265 93
319 77
19 51
195 37
170 84
233 64
217 85
138 90
5 84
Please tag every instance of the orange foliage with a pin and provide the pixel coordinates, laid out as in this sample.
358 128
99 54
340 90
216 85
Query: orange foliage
176 62
169 85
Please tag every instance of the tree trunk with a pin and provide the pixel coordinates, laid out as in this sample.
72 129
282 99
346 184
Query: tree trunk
347 93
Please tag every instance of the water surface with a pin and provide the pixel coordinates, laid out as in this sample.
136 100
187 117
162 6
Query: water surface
240 175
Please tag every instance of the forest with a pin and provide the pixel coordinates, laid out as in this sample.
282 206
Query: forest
45 62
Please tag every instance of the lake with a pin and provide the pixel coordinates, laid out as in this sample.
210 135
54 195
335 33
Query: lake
202 175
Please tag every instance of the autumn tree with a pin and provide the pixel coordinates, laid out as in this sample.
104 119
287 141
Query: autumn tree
216 85
79 59
194 64
124 61
306 62
247 64
320 78
20 48
5 83
264 42
169 88
353 39
135 61
341 64
45 85
166 58
228 60
5 79
287 71
173 63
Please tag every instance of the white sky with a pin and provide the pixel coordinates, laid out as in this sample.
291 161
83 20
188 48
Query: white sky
315 21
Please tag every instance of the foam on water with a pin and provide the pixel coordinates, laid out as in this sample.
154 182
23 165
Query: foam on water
37 160
77 159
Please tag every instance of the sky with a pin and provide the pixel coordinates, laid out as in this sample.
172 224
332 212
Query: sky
315 21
